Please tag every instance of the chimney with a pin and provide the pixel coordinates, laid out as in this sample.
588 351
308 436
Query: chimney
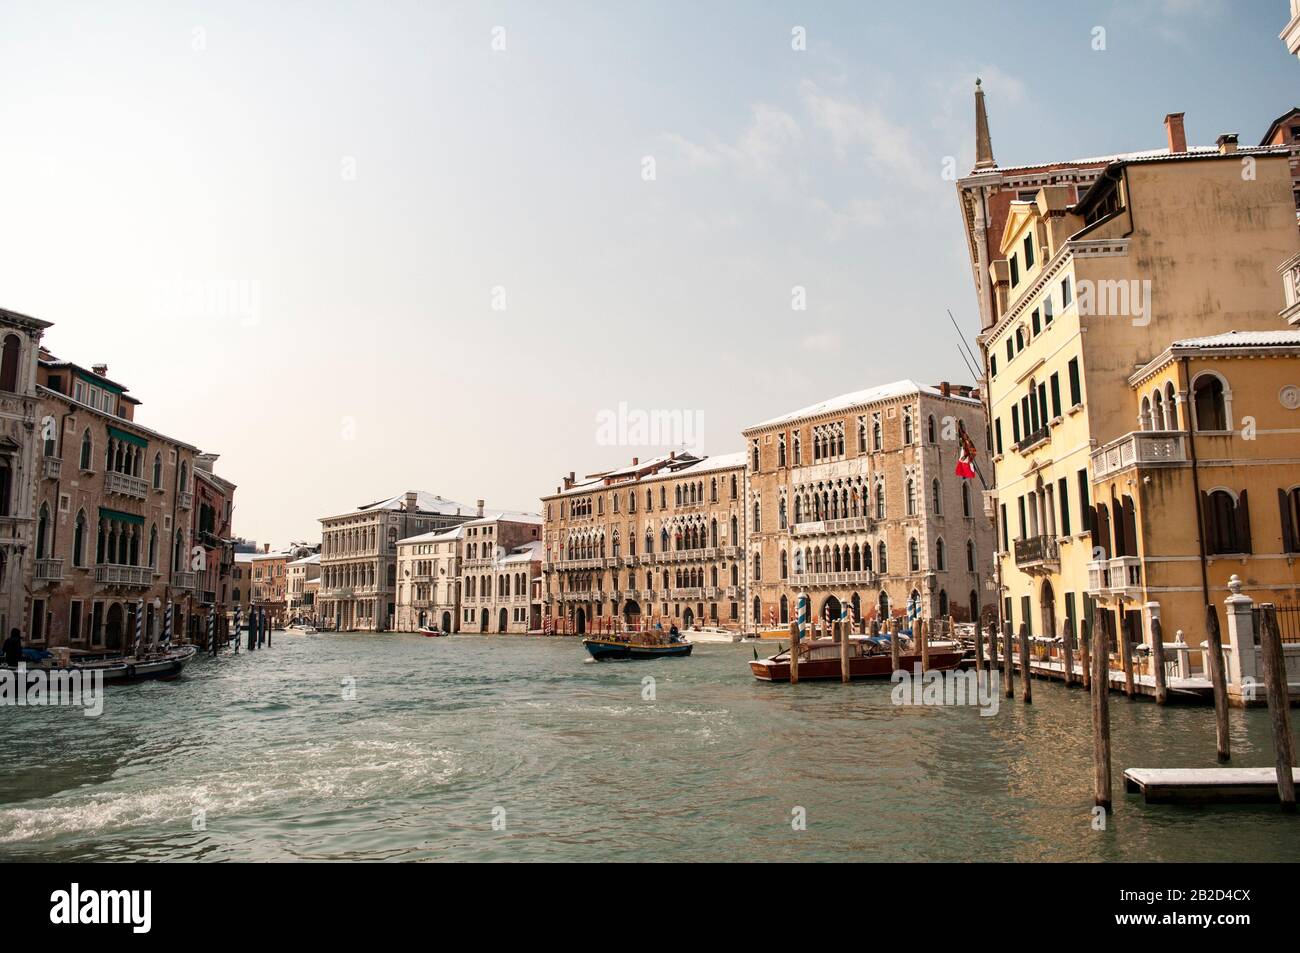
1174 132
636 461
479 504
945 388
672 454
100 369
411 498
1227 143
266 547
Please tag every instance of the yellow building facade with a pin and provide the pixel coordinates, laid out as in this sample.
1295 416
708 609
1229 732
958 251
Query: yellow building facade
1103 349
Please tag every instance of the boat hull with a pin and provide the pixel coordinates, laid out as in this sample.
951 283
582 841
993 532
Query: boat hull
860 667
127 670
603 650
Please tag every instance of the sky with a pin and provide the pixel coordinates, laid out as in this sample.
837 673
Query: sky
361 248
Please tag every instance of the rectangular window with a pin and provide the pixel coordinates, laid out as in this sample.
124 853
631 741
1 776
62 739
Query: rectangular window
1005 541
1063 494
38 620
1056 395
74 620
1036 322
1076 386
1015 271
1006 611
1047 311
1015 423
1067 292
1070 626
993 365
1025 612
1042 406
1029 252
1011 349
997 433
1020 501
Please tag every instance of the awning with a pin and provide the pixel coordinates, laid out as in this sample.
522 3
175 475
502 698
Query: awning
128 437
106 514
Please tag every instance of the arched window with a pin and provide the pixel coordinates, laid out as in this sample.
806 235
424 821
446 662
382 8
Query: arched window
940 556
910 501
758 567
1209 402
914 555
157 471
87 449
79 540
43 532
882 564
965 499
1227 521
153 547
785 564
185 476
970 555
9 363
931 436
936 497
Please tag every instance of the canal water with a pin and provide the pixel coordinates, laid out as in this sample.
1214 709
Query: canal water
396 747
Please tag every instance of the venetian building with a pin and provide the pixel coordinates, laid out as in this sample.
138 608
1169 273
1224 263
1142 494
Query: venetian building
855 500
118 543
358 587
20 469
659 541
501 554
1124 482
428 581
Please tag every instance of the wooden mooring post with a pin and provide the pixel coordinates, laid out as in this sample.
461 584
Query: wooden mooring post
842 636
893 644
1026 683
1126 653
923 633
1214 642
1158 661
794 652
979 651
1101 784
1008 660
1067 652
1279 712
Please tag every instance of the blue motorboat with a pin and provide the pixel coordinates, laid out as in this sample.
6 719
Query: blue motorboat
605 648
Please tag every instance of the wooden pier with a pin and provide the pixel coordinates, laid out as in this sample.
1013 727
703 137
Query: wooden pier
1205 785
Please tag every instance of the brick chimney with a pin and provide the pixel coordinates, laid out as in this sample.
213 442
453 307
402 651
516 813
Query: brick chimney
636 461
100 369
411 498
479 504
266 547
1174 132
1227 143
945 388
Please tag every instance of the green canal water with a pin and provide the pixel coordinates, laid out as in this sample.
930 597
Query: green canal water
444 737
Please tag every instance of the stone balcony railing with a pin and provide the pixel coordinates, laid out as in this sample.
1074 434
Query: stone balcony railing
1120 577
126 485
185 499
49 570
861 577
846 524
113 574
53 468
1141 448
185 581
1037 553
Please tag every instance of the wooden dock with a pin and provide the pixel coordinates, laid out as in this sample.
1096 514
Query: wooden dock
1205 785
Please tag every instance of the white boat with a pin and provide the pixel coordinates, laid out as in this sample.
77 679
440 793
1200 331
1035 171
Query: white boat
301 628
707 635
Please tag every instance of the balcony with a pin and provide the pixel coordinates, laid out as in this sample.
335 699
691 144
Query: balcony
126 485
49 570
208 597
185 499
1141 448
846 525
185 581
1038 554
860 577
1029 441
112 574
1117 578
53 468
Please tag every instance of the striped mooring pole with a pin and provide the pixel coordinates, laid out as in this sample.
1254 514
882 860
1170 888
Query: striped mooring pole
167 625
139 624
212 631
801 615
238 627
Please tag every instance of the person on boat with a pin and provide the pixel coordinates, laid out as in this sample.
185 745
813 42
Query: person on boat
13 648
673 634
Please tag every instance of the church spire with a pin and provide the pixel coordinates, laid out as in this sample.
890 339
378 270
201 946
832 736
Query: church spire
983 146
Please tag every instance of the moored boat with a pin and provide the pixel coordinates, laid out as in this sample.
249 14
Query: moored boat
122 668
430 632
300 628
868 658
608 647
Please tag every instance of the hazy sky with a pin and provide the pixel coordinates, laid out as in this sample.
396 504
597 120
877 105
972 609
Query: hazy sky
283 225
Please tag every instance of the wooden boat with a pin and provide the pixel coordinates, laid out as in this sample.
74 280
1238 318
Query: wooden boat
431 633
119 669
868 658
609 647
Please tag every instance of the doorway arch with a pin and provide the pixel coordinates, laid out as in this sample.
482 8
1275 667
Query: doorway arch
688 617
483 620
503 624
883 605
830 608
1047 608
446 622
114 625
632 612
580 621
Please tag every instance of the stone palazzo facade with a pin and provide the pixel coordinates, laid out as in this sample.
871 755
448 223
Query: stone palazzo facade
856 500
656 541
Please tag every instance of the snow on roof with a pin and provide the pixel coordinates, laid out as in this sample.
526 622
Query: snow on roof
508 516
674 466
1284 338
436 536
857 398
307 560
527 553
722 461
1100 160
425 501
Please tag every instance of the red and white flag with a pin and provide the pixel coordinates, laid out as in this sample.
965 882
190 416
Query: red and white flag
966 462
